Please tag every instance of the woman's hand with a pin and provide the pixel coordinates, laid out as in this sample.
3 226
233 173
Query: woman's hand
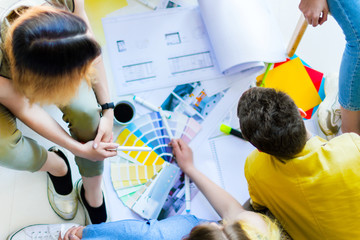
74 233
104 132
315 11
183 154
103 150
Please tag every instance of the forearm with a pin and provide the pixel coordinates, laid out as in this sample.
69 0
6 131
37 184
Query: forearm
100 86
223 203
41 122
37 119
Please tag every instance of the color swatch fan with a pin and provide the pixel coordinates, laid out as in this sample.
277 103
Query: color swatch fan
143 180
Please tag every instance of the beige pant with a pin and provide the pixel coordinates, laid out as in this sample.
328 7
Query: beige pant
22 153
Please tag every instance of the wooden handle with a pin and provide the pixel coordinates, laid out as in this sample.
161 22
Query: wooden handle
297 35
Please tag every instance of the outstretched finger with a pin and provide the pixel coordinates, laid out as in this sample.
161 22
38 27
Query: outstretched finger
73 237
182 144
109 146
72 232
323 17
68 232
175 145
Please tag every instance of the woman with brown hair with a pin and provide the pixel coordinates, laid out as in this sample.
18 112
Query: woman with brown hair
48 56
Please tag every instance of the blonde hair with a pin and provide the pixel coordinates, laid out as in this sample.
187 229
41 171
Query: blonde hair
237 230
50 54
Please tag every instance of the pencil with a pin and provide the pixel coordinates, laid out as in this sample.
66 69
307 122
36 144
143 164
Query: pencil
149 105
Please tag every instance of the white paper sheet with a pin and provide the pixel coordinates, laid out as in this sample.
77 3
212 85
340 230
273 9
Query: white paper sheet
158 49
229 153
170 47
242 33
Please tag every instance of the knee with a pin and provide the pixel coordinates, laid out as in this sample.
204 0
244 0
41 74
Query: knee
24 154
83 121
88 116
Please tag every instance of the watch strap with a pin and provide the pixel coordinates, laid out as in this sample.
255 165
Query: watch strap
107 106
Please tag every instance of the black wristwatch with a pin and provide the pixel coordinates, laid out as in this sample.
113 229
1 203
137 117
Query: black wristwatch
107 106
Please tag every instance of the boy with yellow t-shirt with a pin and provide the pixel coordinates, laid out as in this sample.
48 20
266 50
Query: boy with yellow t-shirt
312 186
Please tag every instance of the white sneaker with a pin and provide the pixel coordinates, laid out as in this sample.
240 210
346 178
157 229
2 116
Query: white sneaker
64 206
42 231
329 115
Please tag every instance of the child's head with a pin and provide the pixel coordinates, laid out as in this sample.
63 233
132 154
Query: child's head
50 52
271 121
236 230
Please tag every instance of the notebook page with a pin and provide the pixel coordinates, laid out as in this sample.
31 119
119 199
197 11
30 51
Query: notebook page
229 153
243 33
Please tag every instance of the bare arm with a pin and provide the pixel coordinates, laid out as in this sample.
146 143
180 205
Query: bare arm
41 122
223 203
315 11
100 86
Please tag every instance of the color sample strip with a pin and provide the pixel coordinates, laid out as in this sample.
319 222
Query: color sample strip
131 180
125 175
126 191
192 128
159 126
150 130
126 138
131 199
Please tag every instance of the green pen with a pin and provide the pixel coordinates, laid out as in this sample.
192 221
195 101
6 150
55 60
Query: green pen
229 130
269 65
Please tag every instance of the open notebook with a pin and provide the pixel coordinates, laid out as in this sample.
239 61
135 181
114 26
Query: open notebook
174 46
230 153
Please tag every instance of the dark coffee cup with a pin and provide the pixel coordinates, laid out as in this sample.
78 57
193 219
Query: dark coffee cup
124 112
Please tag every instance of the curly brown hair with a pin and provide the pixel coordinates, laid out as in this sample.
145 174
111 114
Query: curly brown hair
270 120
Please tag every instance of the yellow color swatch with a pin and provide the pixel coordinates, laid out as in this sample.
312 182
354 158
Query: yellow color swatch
126 138
293 79
96 10
126 175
